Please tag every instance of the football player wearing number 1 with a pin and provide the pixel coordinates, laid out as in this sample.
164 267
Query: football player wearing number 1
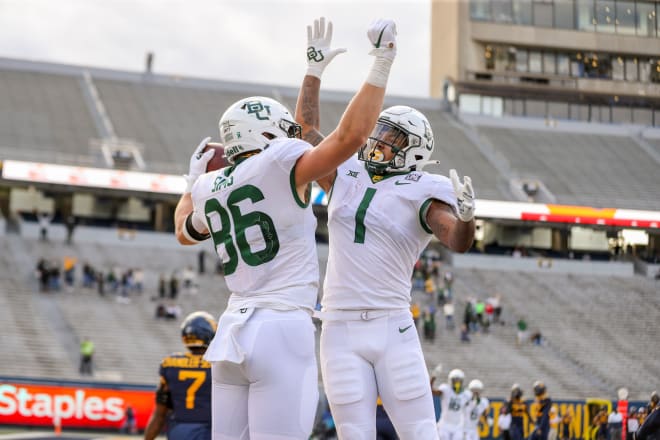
257 212
382 213
183 397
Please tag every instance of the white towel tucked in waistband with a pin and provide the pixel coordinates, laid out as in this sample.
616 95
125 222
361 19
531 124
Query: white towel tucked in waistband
225 347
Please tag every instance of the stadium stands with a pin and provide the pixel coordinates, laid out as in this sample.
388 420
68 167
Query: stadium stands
596 332
50 118
581 169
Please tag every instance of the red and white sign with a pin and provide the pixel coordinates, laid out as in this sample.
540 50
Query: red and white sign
92 177
72 406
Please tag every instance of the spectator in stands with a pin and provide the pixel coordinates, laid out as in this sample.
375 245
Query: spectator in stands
448 278
468 314
100 282
86 354
69 266
541 417
44 220
162 286
138 279
174 286
496 301
172 311
43 273
504 423
521 335
70 224
189 414
480 312
614 424
465 333
54 280
429 324
188 278
536 338
448 310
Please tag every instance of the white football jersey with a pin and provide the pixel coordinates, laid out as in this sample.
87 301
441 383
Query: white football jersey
473 412
452 405
377 232
261 230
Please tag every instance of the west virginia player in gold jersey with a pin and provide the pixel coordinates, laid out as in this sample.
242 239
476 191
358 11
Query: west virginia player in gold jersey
183 398
518 410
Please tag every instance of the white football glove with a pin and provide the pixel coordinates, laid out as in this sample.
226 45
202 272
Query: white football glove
382 34
198 162
437 371
464 196
319 53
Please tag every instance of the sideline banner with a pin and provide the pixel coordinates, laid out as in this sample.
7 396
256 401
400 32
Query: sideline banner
72 404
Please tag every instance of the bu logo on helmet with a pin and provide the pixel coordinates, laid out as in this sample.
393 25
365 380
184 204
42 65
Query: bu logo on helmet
257 107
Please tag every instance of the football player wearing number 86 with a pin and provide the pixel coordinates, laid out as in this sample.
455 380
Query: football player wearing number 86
257 212
382 214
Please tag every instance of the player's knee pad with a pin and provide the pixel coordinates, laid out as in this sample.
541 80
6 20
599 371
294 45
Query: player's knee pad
407 376
354 432
420 430
343 382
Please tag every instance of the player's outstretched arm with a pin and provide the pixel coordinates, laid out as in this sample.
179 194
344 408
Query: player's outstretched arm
454 229
360 115
319 55
187 228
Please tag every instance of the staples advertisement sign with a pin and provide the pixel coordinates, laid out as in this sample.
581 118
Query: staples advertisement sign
74 405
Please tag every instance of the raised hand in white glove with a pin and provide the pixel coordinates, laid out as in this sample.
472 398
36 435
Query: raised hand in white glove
198 162
319 53
464 196
382 34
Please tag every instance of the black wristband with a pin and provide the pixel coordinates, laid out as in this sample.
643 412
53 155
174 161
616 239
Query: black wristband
191 233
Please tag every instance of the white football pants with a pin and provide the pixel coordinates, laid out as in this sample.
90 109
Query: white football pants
471 434
363 359
273 394
450 432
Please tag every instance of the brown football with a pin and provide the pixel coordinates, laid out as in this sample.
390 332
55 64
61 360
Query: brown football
218 160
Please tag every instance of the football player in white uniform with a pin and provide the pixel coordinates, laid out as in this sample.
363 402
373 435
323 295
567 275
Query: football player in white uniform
382 213
475 409
257 212
453 400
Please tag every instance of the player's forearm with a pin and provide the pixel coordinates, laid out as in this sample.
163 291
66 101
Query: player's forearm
463 236
308 108
181 213
360 117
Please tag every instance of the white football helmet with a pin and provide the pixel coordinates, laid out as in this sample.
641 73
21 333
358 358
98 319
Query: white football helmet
456 378
407 132
250 123
476 385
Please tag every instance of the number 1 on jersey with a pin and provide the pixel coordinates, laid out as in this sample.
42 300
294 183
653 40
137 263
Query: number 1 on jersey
361 213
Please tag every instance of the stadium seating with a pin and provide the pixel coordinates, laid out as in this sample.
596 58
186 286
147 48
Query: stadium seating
596 332
581 169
